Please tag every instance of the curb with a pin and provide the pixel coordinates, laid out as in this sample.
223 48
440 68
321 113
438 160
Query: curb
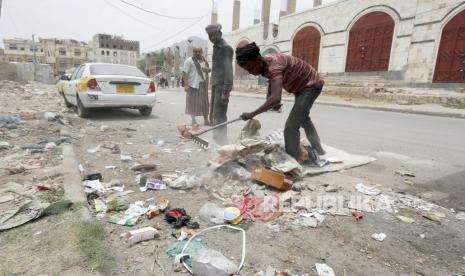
398 110
72 185
379 108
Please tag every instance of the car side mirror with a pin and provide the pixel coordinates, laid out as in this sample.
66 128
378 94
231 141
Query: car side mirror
66 78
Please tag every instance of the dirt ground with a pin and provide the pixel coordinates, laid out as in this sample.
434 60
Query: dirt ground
71 244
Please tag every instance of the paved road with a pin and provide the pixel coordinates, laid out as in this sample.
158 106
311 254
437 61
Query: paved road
432 147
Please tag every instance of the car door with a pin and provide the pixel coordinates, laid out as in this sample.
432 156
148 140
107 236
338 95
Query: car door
72 85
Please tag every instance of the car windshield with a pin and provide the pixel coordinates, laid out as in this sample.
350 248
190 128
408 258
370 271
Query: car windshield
109 69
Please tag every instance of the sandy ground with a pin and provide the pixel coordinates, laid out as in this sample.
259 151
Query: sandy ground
422 248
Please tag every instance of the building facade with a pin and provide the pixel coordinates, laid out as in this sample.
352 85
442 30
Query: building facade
61 54
415 42
114 49
64 54
22 50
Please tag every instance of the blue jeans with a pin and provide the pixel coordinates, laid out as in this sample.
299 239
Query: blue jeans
300 117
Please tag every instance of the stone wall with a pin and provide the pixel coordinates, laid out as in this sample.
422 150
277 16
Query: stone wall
8 72
417 33
24 72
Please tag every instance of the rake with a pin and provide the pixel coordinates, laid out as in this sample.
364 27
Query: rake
204 144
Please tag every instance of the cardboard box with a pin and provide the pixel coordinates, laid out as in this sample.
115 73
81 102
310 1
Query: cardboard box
272 178
143 234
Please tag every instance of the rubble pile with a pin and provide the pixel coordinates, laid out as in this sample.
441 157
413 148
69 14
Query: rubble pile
163 191
252 181
30 153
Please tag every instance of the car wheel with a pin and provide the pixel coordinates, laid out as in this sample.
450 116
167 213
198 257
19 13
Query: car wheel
81 110
145 111
67 104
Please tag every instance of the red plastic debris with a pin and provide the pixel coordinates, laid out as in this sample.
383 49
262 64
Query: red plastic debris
357 216
184 131
43 188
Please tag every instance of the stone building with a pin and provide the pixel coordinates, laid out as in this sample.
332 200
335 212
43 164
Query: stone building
60 54
415 42
64 54
22 50
114 49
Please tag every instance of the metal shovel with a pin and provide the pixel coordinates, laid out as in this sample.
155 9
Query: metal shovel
204 144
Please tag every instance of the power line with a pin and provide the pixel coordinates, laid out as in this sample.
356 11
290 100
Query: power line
161 15
176 34
130 16
153 35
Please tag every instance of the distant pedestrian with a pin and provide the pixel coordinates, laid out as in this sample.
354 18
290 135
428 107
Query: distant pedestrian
195 80
172 81
222 81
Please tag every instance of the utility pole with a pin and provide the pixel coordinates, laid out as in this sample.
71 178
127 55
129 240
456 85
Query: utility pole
1 8
34 60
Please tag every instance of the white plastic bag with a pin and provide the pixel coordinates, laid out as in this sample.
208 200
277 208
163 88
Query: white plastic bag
324 270
212 213
212 263
368 190
184 182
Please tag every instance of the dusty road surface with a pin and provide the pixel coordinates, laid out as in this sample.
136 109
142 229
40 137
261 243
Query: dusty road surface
429 147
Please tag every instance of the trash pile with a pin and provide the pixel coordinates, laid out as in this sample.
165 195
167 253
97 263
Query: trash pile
30 154
252 182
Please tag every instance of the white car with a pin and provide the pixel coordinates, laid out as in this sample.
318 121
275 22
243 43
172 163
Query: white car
94 85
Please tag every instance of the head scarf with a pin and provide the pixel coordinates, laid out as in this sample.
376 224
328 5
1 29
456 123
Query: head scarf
247 52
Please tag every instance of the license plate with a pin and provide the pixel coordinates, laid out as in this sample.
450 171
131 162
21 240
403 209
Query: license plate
124 88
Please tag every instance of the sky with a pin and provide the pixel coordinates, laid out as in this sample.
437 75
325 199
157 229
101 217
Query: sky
81 19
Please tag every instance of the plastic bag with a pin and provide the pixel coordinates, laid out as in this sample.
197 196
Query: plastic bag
212 213
212 263
183 182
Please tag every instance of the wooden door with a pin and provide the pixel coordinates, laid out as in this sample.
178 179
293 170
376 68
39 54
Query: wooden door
450 64
370 41
306 45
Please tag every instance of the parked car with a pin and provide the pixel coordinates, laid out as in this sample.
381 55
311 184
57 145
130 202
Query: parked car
103 85
62 81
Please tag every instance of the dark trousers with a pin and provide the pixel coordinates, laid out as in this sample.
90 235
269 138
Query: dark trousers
219 112
300 117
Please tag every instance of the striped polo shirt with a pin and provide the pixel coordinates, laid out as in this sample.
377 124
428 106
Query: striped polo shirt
295 73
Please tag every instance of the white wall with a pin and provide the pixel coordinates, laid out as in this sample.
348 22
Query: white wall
417 21
431 17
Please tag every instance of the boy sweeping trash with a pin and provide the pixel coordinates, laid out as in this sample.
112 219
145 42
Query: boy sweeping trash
296 77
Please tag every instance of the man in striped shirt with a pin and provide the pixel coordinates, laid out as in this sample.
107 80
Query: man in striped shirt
296 77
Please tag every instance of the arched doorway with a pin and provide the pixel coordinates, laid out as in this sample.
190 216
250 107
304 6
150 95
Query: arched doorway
370 41
450 64
239 72
306 45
